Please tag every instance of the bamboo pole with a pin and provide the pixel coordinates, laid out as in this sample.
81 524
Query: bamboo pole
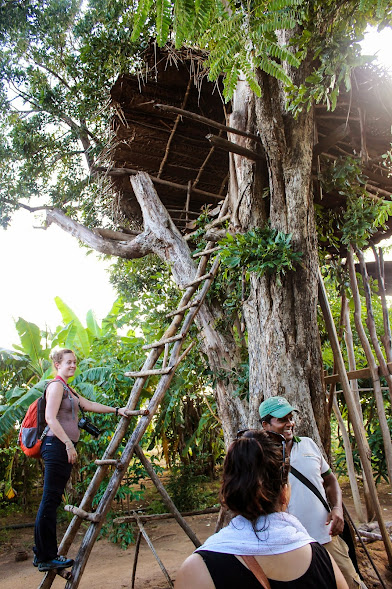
386 338
162 342
372 365
359 430
371 324
348 338
350 464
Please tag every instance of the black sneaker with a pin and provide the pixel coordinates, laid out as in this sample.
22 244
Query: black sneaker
60 562
35 561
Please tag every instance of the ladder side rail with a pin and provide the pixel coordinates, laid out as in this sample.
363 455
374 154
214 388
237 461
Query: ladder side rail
115 481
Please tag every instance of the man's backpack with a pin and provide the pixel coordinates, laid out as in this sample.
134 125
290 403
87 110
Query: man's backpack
34 428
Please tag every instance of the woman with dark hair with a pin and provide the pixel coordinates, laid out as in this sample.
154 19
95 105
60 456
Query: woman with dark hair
262 545
58 451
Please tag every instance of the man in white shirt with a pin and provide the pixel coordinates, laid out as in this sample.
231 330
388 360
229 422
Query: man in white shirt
276 415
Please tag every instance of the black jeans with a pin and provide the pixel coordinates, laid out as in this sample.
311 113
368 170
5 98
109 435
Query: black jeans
57 473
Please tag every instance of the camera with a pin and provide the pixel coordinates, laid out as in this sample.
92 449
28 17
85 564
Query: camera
89 427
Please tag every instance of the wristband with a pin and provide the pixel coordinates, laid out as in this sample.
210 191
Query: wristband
117 408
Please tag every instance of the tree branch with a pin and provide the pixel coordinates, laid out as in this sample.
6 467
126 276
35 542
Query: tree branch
137 247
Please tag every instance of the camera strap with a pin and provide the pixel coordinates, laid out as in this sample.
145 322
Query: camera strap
70 390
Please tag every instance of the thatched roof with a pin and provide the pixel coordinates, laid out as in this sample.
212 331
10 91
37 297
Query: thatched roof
174 148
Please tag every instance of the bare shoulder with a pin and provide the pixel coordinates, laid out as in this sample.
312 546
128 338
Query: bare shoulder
54 387
193 574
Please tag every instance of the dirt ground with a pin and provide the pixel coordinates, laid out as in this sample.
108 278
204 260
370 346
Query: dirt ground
110 567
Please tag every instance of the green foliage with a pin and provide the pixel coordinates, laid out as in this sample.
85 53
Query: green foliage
184 488
243 37
360 218
122 534
59 60
262 251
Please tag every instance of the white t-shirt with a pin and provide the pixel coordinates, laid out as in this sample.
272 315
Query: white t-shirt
307 458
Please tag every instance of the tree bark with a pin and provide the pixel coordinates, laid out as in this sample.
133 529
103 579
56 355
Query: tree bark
281 315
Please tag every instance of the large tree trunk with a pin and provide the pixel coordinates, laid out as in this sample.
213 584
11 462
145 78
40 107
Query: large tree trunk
281 315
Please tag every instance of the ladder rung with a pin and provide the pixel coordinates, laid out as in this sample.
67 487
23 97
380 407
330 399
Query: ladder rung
168 340
182 309
92 517
149 372
108 461
197 280
63 573
206 252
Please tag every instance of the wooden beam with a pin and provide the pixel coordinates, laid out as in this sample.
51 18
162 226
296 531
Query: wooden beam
205 121
337 135
233 147
159 516
131 172
355 374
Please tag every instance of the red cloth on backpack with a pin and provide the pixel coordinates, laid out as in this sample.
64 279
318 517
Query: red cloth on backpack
32 428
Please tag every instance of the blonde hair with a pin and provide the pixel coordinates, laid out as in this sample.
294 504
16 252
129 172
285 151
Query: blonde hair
58 355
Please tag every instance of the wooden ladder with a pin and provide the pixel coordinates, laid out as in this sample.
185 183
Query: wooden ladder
174 336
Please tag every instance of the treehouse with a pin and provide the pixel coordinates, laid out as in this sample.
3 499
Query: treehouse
170 121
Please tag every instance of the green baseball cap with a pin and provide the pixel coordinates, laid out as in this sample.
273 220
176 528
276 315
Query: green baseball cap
275 406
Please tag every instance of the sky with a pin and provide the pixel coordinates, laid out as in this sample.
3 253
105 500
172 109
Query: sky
37 265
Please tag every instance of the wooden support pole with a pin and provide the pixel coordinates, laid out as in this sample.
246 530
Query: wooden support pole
386 338
166 498
151 546
136 557
125 519
348 338
227 145
92 517
350 463
386 436
337 135
132 172
371 324
359 430
195 117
